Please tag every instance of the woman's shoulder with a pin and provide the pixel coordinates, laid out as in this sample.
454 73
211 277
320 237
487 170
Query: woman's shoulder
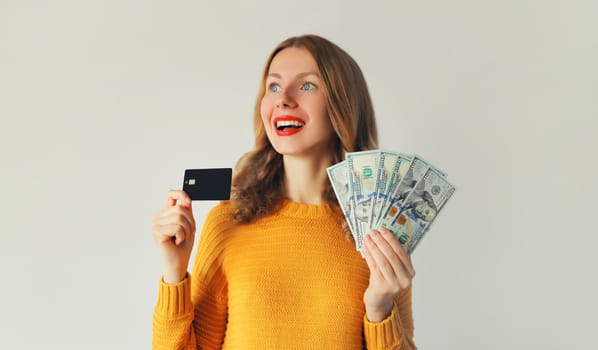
223 211
221 216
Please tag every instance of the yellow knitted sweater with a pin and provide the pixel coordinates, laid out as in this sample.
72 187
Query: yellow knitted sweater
287 281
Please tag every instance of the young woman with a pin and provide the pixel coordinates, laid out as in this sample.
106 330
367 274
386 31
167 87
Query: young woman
276 267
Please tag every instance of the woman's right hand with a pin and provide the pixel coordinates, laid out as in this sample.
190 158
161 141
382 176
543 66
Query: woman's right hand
173 228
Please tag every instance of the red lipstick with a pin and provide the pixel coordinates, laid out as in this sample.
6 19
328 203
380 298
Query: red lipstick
286 125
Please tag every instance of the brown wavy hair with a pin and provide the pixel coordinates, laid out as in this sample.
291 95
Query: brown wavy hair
258 187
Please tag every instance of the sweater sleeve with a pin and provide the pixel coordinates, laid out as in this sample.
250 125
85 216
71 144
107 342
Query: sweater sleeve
193 313
396 331
173 316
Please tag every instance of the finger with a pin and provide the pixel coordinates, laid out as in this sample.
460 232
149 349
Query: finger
174 196
391 239
375 273
169 233
178 230
177 219
395 277
388 252
168 223
380 260
399 250
175 214
187 212
180 237
176 234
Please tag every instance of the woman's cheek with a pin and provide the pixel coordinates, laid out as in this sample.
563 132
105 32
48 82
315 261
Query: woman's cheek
264 113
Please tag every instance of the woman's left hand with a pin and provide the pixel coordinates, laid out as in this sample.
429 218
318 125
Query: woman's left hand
391 272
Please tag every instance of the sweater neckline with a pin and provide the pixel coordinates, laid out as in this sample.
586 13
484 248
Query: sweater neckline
312 211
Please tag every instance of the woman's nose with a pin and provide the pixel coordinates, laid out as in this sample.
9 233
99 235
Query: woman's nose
285 101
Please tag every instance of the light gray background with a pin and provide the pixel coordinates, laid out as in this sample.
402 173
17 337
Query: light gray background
103 104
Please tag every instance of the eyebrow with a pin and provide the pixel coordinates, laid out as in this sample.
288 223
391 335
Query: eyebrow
300 75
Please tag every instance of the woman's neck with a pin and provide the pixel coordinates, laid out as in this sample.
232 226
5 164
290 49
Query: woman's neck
305 178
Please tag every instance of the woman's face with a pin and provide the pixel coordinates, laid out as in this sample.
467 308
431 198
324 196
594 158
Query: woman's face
293 108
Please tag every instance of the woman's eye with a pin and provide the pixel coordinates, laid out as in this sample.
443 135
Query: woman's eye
275 87
308 86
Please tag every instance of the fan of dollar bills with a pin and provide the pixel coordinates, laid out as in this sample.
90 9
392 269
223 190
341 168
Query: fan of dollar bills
400 192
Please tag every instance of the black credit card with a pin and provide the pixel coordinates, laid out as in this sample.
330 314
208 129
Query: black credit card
208 184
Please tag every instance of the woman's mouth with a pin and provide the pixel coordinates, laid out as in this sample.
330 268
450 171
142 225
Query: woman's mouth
288 125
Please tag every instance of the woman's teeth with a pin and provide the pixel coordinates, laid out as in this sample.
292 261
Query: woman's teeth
289 124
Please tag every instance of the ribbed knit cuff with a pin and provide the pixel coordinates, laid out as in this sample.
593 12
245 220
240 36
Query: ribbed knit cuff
174 300
383 334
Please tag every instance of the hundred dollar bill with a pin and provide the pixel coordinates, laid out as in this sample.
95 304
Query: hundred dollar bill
363 167
417 169
386 164
416 241
394 168
339 178
419 209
